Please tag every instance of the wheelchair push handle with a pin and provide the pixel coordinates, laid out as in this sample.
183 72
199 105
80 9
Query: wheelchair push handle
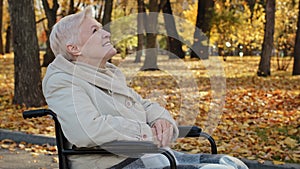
36 113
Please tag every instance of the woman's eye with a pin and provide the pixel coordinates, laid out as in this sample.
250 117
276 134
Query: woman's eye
95 30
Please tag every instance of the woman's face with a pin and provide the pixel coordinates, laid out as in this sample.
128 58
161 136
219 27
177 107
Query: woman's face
95 41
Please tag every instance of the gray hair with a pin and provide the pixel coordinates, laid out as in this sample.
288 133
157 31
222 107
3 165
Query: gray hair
66 32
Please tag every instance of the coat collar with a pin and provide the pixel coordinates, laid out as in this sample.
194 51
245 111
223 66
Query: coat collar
110 78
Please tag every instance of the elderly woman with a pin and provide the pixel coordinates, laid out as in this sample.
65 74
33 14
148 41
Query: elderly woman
95 106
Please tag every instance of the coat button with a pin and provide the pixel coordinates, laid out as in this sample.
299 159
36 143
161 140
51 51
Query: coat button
128 103
144 136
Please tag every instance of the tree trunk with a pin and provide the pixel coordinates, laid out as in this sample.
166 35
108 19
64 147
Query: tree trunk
28 88
140 30
8 39
251 4
107 15
203 25
51 19
267 46
1 19
72 9
99 19
296 66
150 62
174 44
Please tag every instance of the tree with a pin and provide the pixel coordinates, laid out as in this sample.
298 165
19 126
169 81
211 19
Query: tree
174 44
51 20
251 4
8 39
100 10
285 31
107 14
267 46
28 89
296 66
72 8
1 19
140 30
150 62
202 30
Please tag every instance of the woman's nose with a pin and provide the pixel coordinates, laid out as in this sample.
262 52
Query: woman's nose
105 34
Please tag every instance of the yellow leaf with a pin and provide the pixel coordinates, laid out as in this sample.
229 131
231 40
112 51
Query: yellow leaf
292 131
6 146
251 158
137 88
261 161
278 162
290 142
194 151
34 154
55 159
21 146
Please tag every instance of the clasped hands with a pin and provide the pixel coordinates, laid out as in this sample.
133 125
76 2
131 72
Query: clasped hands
162 132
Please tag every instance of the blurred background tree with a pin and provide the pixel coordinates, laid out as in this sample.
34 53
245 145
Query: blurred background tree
284 36
1 19
296 66
28 86
264 68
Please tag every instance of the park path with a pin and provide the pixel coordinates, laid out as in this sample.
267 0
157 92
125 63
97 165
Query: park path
21 159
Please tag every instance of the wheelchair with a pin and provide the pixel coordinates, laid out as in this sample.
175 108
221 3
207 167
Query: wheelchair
126 148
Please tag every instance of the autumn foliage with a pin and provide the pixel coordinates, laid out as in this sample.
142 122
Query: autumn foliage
260 119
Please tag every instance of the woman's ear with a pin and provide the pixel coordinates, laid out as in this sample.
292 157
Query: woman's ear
74 50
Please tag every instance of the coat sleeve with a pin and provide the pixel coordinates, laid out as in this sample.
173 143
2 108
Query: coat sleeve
81 123
154 112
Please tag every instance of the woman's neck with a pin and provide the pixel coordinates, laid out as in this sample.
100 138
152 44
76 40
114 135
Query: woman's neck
93 62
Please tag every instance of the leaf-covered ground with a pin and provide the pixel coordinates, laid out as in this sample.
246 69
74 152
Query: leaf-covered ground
260 118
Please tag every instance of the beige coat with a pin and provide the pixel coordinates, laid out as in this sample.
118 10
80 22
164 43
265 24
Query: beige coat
95 106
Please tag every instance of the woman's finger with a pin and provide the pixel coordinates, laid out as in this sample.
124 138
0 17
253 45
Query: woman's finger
168 132
159 130
155 137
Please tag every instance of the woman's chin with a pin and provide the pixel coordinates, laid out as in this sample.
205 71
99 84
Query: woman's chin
114 51
111 53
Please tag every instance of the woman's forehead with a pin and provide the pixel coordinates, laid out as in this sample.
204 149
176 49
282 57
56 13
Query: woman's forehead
90 23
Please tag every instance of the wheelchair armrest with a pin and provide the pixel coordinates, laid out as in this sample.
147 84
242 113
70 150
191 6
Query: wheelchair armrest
119 147
189 131
136 146
37 113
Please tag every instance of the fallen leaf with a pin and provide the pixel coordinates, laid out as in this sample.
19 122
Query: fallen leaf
275 162
34 154
55 159
290 142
